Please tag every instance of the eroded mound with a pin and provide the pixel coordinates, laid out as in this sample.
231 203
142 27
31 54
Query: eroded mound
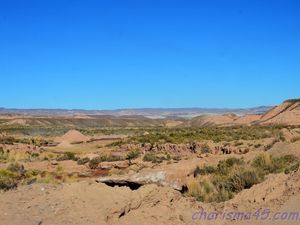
73 136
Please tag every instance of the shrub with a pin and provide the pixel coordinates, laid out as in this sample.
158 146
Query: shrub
269 164
206 191
94 162
133 154
32 156
201 189
83 161
225 166
197 171
168 157
59 169
8 180
16 168
263 162
193 147
281 164
3 155
194 134
32 173
221 196
205 149
149 157
110 158
292 168
240 179
233 175
8 140
257 145
204 171
217 187
115 143
67 156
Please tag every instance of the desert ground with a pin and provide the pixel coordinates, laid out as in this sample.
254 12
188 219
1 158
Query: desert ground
89 169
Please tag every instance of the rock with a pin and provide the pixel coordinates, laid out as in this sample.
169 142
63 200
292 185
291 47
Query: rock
157 177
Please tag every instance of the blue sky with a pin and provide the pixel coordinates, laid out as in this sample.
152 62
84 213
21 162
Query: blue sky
109 54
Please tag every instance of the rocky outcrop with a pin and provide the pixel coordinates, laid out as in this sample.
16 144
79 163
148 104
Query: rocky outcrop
161 178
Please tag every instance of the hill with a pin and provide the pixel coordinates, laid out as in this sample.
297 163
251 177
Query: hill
286 113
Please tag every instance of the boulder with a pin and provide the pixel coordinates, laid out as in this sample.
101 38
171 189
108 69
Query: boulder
160 178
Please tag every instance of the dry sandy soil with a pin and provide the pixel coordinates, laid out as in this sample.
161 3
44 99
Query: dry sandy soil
91 203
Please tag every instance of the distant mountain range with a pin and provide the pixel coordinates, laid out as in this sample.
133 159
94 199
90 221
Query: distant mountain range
287 113
146 112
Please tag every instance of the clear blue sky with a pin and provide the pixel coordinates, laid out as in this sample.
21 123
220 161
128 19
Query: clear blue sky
120 54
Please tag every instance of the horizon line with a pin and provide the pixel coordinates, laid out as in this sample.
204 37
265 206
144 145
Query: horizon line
136 108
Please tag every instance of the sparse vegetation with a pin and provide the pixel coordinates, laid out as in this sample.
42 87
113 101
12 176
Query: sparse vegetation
151 157
8 180
111 158
257 145
190 135
269 146
15 174
4 155
208 183
230 176
67 156
94 162
132 155
294 100
225 166
9 140
204 171
204 148
83 161
268 164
